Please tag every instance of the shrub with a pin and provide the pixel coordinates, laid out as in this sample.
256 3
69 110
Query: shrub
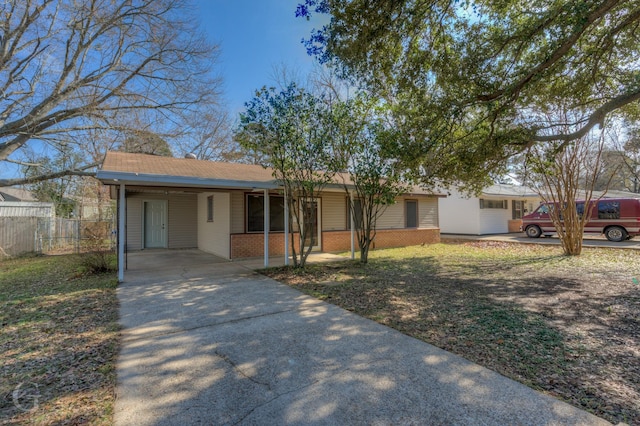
98 261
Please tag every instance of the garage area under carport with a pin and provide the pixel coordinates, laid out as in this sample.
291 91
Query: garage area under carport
154 221
168 259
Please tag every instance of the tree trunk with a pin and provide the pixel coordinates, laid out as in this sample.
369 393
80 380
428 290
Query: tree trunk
364 251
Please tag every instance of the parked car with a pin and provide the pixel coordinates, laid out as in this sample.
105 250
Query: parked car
617 218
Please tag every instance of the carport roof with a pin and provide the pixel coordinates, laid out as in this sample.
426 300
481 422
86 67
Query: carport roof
153 170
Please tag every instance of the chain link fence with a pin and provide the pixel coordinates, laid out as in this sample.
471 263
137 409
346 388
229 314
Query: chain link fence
37 235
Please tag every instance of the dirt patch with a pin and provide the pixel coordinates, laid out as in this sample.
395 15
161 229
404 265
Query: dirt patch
567 326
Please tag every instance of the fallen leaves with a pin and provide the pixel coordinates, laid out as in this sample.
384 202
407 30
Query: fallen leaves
569 326
61 338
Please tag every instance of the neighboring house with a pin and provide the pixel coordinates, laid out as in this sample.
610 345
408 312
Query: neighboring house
27 209
9 193
615 194
218 208
94 205
16 202
497 210
23 222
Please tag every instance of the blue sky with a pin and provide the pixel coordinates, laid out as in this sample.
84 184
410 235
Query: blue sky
255 36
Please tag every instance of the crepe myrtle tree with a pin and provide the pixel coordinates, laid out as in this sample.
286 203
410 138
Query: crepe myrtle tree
463 76
72 68
288 130
562 174
361 143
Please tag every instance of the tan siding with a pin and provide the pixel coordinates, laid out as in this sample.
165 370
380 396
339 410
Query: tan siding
237 212
213 237
428 212
134 223
183 221
334 211
393 216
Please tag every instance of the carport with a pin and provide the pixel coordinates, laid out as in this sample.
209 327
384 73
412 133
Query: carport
178 260
159 177
159 259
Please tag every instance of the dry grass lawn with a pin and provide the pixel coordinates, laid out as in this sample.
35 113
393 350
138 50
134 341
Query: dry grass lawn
58 343
567 326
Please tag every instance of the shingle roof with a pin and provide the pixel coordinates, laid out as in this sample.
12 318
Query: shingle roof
123 162
15 194
509 191
143 169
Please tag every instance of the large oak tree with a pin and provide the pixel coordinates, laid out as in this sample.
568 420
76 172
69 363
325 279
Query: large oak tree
470 79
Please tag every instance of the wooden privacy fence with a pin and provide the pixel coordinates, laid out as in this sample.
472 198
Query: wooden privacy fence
22 235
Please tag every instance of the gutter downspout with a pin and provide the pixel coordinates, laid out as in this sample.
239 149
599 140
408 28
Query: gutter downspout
353 237
286 229
121 224
266 228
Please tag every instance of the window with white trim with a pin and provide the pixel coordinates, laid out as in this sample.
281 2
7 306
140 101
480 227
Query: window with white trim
518 209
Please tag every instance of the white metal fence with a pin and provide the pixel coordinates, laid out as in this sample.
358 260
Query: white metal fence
21 235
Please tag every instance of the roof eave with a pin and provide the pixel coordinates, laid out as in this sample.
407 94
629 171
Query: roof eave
524 195
116 178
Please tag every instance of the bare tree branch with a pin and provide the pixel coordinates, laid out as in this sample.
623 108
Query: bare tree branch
69 66
58 174
597 117
23 163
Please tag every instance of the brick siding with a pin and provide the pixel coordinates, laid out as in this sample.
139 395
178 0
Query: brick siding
252 245
333 241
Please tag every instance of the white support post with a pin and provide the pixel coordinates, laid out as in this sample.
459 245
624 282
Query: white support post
286 229
266 228
353 231
122 212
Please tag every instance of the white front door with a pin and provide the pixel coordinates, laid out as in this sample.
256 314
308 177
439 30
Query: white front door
155 219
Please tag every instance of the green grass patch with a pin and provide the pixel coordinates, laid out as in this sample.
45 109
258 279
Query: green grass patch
59 341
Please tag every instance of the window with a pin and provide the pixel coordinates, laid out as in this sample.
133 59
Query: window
543 209
210 208
411 210
608 209
357 216
518 209
255 213
493 204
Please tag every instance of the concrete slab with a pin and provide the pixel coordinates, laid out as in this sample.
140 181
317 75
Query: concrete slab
219 344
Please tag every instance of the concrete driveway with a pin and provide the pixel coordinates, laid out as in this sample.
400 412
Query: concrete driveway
212 342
